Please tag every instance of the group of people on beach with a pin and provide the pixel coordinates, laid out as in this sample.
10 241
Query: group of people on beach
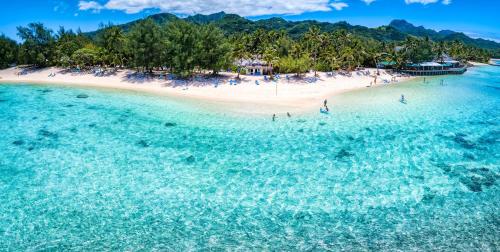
287 114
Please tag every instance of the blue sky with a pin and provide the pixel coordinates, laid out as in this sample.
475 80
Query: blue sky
477 18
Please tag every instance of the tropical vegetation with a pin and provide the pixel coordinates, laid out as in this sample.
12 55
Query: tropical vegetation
185 47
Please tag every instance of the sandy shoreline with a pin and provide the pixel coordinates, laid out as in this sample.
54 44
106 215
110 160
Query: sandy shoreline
284 95
477 63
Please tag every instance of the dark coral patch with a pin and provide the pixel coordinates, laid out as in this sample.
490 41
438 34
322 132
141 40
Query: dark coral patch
472 183
48 134
170 124
344 154
82 96
143 143
191 159
18 142
45 90
462 141
492 137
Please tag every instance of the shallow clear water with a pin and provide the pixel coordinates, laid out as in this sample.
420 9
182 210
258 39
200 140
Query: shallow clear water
124 171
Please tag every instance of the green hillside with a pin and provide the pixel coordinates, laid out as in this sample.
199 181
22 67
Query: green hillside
397 30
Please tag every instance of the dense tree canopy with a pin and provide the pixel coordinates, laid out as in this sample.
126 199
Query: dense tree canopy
38 46
68 43
8 51
113 41
144 42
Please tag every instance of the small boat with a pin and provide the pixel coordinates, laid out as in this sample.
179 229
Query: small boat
402 101
324 111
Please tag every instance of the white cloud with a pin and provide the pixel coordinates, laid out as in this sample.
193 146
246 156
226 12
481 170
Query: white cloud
188 7
90 5
60 6
339 5
240 7
424 2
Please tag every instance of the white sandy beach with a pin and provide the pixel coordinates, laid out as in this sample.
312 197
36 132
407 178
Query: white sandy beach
477 63
292 95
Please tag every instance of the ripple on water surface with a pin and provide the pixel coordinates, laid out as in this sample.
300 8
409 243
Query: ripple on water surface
82 169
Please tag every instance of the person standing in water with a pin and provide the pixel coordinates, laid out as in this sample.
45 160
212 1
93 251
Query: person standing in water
288 114
274 117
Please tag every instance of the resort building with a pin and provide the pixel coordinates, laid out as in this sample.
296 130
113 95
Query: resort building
255 67
434 68
386 64
494 62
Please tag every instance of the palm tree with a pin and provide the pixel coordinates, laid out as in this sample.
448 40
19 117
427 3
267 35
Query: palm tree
348 57
271 58
440 51
410 47
332 58
240 52
258 41
113 42
314 40
360 52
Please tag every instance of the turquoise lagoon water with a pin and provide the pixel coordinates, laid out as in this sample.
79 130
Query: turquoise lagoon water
125 171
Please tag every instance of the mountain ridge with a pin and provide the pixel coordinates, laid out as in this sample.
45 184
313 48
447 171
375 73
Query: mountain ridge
396 30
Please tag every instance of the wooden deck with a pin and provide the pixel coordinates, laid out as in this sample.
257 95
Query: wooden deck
435 72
